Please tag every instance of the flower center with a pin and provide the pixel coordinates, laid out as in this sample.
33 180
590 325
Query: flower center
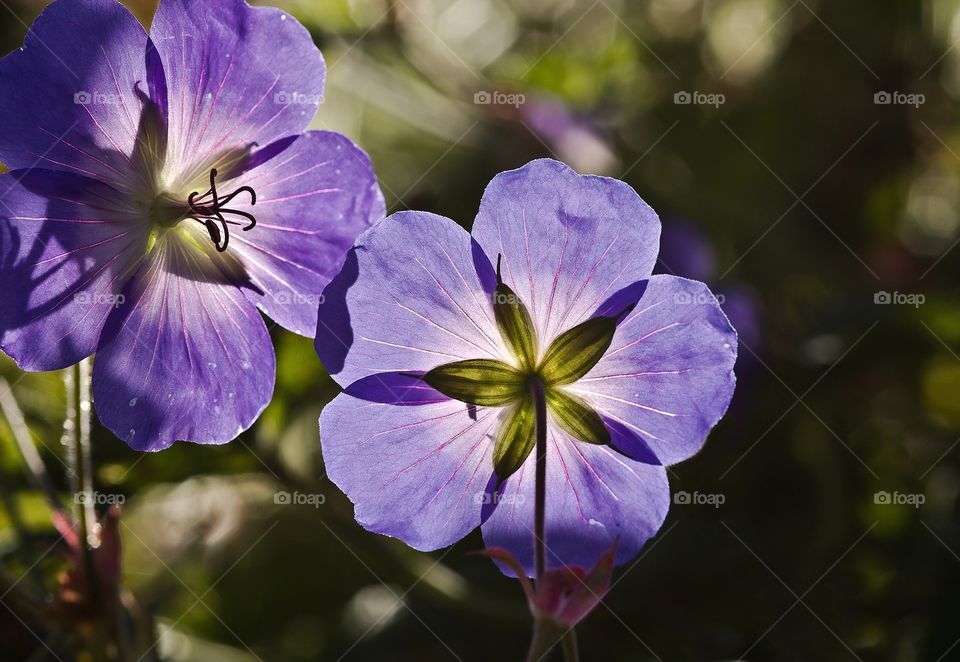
208 209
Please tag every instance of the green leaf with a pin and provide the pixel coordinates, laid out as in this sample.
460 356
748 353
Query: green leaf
483 382
577 418
515 439
515 323
576 351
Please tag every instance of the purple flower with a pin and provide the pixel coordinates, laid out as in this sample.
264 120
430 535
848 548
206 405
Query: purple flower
161 190
434 334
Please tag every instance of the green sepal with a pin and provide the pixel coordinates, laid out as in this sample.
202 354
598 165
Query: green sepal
515 439
483 382
577 418
576 351
515 323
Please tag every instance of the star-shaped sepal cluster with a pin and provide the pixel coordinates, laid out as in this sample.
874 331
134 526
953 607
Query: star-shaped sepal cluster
494 383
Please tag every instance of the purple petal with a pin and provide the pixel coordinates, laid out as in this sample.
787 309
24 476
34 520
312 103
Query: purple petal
69 97
668 375
408 299
186 358
313 198
594 495
66 251
237 75
417 473
568 242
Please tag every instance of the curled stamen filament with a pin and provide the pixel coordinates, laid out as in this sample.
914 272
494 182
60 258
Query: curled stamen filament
210 213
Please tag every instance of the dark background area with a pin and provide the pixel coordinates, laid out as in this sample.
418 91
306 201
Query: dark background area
799 197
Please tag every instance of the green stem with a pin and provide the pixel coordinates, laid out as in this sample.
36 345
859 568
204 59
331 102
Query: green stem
77 430
77 439
545 636
569 645
538 392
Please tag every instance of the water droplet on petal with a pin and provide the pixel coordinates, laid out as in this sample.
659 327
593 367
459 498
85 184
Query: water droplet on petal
132 433
133 402
212 365
594 522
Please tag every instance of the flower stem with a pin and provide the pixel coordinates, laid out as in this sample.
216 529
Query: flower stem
77 439
545 635
538 392
569 644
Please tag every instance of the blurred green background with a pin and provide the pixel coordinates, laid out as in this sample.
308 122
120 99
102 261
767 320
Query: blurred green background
809 198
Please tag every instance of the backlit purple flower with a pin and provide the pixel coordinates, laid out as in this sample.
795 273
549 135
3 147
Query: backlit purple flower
435 334
161 190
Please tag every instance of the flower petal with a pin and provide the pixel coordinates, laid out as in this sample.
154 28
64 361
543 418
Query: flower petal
668 375
315 195
415 472
69 98
66 251
568 242
237 75
414 294
593 495
186 358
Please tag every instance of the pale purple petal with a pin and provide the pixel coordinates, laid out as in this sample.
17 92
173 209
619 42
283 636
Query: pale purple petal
417 470
315 195
237 75
69 98
414 294
186 358
668 375
569 242
67 248
594 496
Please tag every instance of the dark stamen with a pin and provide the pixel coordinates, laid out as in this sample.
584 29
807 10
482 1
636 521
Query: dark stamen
211 213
